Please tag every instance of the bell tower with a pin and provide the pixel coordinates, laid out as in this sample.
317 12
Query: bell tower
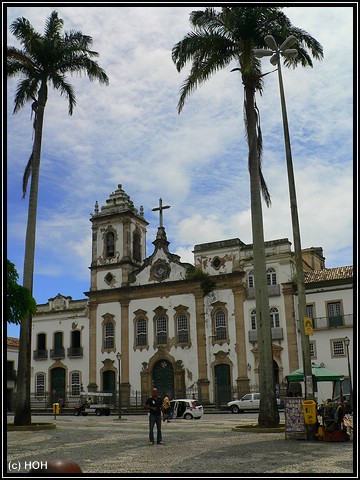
118 241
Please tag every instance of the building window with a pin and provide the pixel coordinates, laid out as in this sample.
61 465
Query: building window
109 244
41 341
161 330
109 340
312 349
75 383
271 276
253 319
274 317
338 348
182 329
220 325
136 247
334 314
310 309
40 384
141 334
251 279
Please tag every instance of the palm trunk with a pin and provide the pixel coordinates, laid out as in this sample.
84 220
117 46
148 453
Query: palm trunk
23 386
268 412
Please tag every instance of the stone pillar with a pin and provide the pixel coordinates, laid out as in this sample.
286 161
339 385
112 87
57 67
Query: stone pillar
240 332
291 333
203 381
124 341
92 347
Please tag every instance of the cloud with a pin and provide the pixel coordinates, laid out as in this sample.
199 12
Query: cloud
130 133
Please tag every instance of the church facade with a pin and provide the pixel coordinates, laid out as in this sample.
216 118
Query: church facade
156 321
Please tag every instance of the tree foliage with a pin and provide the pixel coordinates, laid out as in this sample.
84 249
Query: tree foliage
20 302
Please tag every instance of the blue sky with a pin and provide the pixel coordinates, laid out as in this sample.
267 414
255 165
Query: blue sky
130 133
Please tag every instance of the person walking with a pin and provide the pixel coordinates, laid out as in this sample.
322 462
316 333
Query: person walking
167 408
155 406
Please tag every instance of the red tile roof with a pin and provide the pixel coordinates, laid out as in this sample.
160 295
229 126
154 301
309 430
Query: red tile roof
337 273
12 342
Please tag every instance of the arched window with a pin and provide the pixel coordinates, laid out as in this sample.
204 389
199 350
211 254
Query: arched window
182 329
75 383
220 325
161 330
274 317
271 276
136 247
251 279
253 319
109 329
40 384
141 335
110 244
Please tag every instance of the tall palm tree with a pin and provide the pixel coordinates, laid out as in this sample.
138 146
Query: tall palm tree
218 38
43 59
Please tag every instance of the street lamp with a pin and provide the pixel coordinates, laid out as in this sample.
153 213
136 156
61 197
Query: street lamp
347 343
275 54
118 356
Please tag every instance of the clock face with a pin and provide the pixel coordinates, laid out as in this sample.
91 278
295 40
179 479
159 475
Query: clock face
161 270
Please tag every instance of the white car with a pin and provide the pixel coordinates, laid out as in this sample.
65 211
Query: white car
250 401
186 408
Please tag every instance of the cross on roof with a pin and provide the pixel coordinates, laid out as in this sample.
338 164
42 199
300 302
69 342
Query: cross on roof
160 208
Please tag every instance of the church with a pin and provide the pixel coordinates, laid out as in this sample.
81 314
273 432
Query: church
156 321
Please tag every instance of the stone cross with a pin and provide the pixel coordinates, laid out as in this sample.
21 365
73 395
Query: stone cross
160 208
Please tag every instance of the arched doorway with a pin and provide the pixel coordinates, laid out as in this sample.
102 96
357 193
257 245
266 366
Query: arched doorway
276 372
108 385
163 378
108 381
57 382
222 384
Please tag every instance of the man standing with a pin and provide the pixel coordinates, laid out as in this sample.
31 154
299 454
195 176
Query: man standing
154 405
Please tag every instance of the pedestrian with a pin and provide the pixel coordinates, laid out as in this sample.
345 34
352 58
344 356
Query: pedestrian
166 408
154 405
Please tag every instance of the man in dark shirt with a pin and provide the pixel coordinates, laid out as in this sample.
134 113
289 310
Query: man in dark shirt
154 405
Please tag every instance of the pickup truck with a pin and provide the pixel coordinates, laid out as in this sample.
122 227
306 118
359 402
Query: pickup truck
250 401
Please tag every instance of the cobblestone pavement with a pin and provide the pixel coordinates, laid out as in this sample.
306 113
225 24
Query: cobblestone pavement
205 446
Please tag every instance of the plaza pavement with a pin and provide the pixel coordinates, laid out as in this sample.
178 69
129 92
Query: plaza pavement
206 447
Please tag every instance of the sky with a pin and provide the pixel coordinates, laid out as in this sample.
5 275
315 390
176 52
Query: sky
130 133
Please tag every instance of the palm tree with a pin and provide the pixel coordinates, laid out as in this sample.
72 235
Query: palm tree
217 39
43 59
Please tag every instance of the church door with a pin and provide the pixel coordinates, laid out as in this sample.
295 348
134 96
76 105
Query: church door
222 384
163 378
108 382
57 383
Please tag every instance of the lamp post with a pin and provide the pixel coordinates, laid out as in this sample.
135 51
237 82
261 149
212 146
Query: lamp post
118 356
275 54
347 343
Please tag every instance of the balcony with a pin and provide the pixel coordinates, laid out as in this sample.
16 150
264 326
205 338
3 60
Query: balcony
322 323
277 333
75 352
40 354
57 353
273 290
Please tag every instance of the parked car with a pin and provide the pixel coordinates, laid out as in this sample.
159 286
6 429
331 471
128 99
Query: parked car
250 401
186 408
92 402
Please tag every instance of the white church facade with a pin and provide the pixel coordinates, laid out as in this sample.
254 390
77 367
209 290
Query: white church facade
156 321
